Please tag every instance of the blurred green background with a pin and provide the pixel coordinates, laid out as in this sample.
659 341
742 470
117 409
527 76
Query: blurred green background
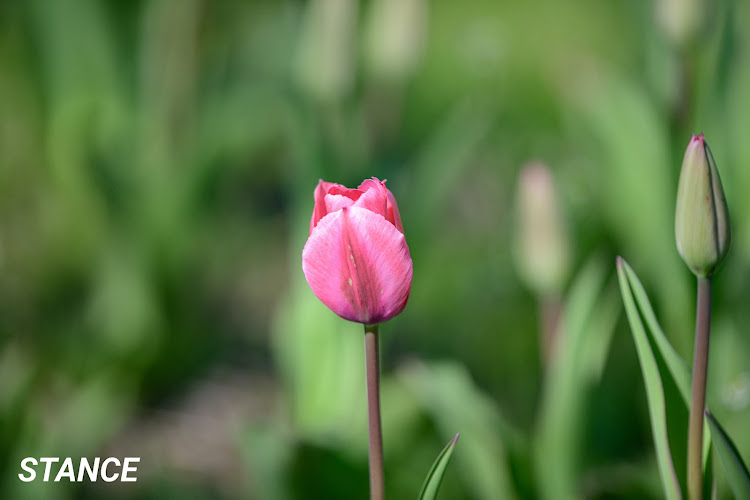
157 164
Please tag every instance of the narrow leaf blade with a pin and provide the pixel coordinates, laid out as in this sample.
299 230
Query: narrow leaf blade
451 399
654 389
677 366
590 308
435 476
736 470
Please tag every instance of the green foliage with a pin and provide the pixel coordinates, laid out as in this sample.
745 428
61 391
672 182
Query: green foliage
435 476
633 293
678 368
654 390
590 313
452 401
157 161
735 468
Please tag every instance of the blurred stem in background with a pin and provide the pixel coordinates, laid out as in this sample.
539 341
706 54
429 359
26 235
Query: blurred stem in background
681 23
550 315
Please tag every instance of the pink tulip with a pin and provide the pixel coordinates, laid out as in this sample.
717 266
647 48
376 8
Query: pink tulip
356 259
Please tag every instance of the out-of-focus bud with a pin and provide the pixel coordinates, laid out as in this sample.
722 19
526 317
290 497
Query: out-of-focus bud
680 19
542 245
394 37
326 51
702 226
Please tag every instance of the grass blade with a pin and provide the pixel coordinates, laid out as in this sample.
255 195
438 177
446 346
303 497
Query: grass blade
435 476
654 388
736 470
590 311
450 398
677 366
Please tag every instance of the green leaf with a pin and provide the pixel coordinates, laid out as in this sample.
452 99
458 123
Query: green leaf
654 389
450 397
448 154
435 476
590 313
641 213
267 450
736 470
677 366
320 359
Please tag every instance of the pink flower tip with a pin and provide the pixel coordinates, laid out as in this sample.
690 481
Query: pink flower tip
356 259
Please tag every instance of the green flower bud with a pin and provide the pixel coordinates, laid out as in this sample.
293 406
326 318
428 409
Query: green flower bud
701 218
395 37
326 57
681 20
542 247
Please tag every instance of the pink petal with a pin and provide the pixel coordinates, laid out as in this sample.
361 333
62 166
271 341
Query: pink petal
393 214
358 264
352 194
374 197
379 199
336 202
319 211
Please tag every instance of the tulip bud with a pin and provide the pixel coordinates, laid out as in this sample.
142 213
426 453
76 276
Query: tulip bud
680 20
395 37
356 259
542 251
326 55
701 218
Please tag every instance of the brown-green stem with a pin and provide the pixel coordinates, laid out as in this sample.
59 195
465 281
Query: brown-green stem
372 363
550 312
698 399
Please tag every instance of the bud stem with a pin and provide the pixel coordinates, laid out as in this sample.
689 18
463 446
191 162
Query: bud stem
550 312
698 399
372 364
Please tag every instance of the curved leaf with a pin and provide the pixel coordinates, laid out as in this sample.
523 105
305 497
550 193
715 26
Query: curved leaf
590 313
450 398
736 470
435 476
654 389
677 366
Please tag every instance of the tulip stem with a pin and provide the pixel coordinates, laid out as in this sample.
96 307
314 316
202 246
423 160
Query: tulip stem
372 362
550 312
698 399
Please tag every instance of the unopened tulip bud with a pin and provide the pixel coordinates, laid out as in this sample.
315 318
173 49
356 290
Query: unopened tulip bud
395 37
326 56
542 247
680 20
702 226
